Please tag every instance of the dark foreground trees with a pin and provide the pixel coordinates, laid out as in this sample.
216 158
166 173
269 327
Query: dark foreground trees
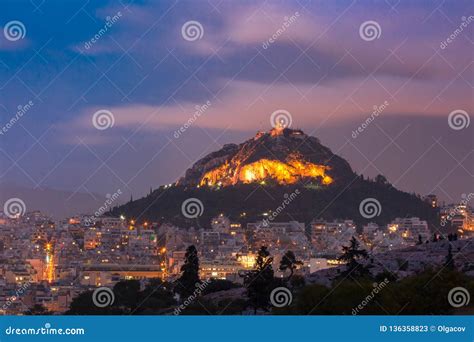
186 284
128 299
289 262
358 293
422 294
351 255
259 281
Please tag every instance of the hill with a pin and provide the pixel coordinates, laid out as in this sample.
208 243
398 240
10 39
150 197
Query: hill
283 168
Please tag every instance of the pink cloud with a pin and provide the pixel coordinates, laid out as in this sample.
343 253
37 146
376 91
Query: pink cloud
243 104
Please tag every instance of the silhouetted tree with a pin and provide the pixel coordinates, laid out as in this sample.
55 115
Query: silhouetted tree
156 297
420 240
380 179
186 284
420 294
127 295
289 262
297 281
83 304
350 255
219 285
449 262
259 281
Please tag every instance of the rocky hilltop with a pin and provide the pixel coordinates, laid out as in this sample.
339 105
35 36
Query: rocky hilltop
281 156
250 180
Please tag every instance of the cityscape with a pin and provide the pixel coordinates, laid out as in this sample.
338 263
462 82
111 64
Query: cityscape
47 263
170 158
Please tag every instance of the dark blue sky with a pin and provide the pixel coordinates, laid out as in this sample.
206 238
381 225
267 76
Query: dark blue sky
151 79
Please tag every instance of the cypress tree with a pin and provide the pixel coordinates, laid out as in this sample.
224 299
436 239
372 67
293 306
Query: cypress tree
186 284
259 281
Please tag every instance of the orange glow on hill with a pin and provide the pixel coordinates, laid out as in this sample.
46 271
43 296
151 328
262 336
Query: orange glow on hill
265 169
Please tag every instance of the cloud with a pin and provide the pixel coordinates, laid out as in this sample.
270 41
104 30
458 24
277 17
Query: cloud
285 42
244 105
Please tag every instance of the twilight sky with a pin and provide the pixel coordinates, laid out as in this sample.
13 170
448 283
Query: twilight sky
319 67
